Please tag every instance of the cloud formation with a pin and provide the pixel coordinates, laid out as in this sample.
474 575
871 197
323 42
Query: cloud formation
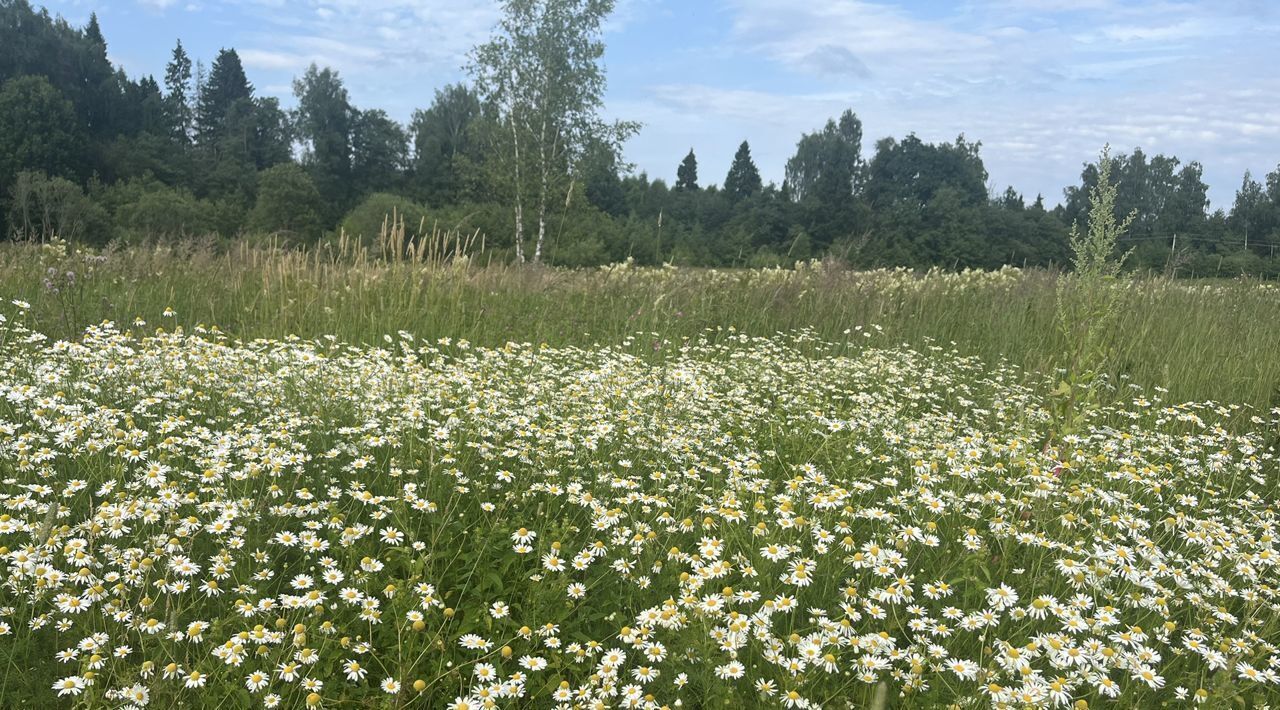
1042 83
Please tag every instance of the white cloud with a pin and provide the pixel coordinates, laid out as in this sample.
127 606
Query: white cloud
1038 146
1044 82
265 59
811 35
391 53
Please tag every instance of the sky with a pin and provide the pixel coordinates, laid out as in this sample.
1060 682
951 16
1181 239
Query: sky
1043 84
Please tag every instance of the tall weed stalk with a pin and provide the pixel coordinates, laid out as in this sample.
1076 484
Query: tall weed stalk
1089 307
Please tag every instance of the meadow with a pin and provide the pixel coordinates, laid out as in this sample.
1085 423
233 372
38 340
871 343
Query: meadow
1201 339
251 477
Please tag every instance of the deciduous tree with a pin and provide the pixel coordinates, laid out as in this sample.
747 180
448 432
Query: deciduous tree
541 78
445 145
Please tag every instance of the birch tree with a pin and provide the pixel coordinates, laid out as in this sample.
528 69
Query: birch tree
542 84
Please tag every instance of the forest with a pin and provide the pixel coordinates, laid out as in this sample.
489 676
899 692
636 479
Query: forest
92 155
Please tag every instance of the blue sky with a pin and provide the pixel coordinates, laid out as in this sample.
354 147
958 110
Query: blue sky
1042 83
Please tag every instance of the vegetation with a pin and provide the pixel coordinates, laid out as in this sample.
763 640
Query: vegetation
298 410
529 146
1089 304
1200 340
197 520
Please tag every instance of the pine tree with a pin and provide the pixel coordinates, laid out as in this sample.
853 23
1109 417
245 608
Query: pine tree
687 173
177 102
743 179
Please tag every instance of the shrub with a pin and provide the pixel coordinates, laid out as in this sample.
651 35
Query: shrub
365 220
43 207
165 212
288 203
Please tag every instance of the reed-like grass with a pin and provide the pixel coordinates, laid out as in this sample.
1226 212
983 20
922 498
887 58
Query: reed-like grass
1201 340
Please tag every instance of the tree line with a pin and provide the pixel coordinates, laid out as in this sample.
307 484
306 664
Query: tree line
520 154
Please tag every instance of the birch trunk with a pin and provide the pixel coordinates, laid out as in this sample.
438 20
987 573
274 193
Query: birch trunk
542 189
519 207
542 212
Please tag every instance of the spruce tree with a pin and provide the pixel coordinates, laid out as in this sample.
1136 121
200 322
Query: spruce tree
687 173
743 179
225 85
98 79
177 102
93 32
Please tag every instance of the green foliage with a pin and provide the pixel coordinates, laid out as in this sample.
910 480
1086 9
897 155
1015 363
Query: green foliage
38 130
379 152
367 219
1089 305
324 119
1094 251
913 171
445 145
601 186
542 81
177 102
288 203
827 166
46 208
151 211
224 89
743 179
584 237
528 137
1255 215
687 173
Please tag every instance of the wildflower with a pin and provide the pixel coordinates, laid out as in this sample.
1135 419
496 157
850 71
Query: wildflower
474 642
965 670
256 681
730 671
353 670
71 685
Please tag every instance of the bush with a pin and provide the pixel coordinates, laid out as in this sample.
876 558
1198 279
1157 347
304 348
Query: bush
582 238
365 220
494 222
288 203
165 212
43 207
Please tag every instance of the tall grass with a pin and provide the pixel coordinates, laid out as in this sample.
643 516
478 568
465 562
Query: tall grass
1201 340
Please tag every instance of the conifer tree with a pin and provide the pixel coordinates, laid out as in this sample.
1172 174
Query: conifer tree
687 173
222 88
177 100
743 179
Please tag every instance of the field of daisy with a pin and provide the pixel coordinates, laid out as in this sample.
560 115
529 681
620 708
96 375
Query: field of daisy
262 479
